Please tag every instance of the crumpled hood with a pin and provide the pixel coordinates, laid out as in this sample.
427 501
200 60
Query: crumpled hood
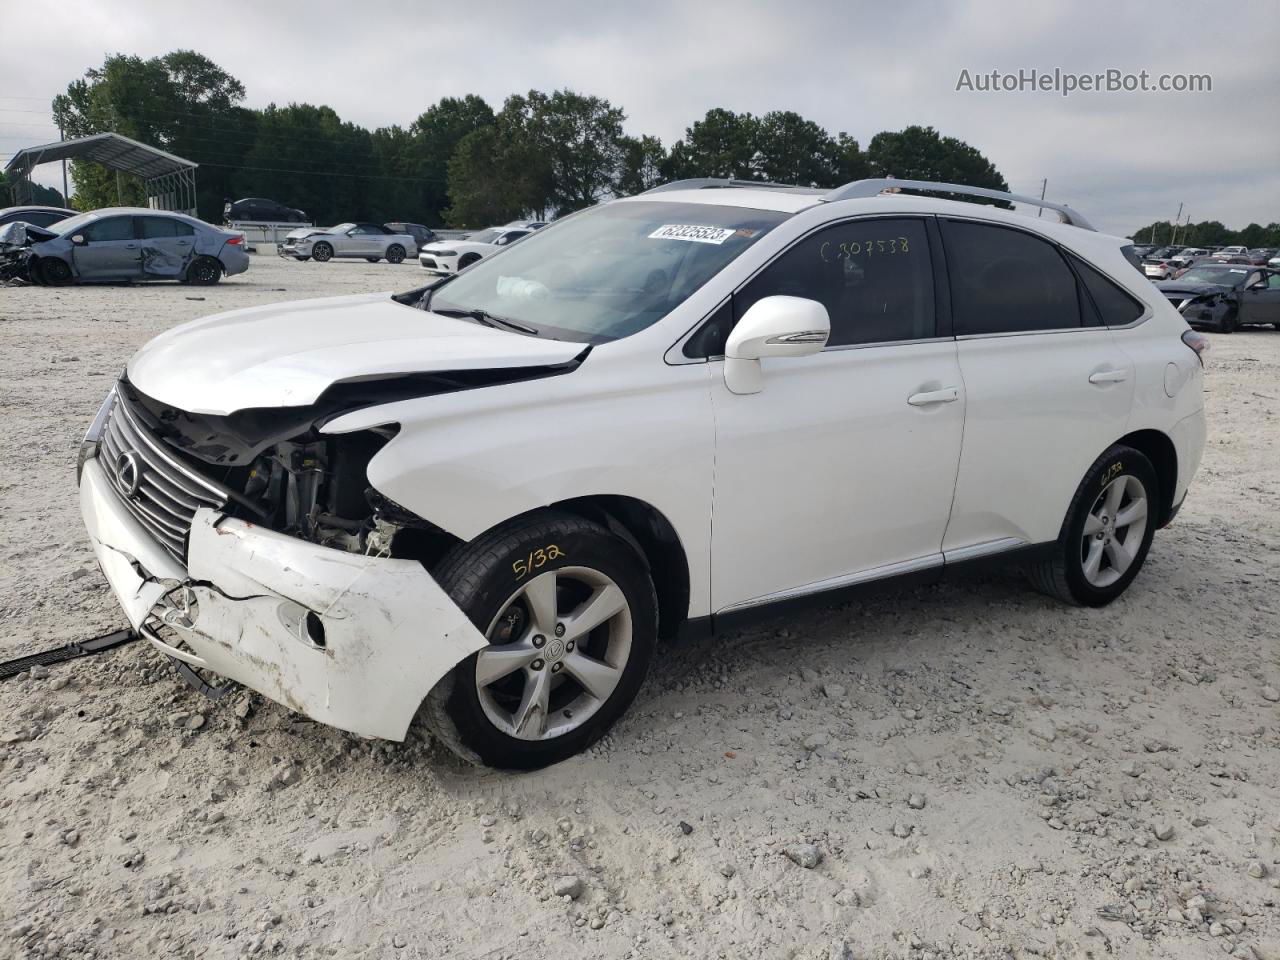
302 232
287 354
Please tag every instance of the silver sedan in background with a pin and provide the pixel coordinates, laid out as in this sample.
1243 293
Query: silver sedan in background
372 241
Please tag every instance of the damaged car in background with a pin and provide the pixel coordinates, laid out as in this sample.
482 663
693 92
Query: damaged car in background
1223 295
131 244
478 505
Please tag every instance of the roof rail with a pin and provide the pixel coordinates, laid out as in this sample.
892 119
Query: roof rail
707 183
872 188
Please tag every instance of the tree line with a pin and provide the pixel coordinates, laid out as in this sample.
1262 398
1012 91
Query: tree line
1209 233
460 162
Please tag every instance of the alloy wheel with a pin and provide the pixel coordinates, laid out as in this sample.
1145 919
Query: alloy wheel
558 648
1113 531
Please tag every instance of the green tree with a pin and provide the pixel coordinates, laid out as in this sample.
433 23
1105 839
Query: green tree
643 159
721 144
791 149
436 135
487 183
921 153
182 102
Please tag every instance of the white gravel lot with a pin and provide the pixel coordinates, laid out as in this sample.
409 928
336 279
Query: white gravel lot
979 771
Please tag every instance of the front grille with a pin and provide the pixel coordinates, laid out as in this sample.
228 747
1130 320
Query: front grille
159 489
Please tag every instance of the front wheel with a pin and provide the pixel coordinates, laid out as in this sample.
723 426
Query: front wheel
1228 323
570 614
395 253
1107 532
322 252
55 272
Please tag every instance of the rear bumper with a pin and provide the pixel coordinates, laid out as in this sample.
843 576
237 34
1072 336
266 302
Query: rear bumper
1188 436
352 641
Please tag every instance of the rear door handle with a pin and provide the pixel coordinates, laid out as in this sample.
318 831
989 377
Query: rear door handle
945 395
1109 376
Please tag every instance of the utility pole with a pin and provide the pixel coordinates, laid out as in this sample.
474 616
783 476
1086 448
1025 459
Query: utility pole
66 199
1173 239
1044 185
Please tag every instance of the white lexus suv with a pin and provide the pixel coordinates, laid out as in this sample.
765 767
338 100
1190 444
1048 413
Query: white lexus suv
479 506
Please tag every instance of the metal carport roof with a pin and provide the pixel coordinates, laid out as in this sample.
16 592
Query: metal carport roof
112 150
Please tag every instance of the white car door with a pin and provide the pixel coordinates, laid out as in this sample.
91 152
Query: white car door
1049 388
843 467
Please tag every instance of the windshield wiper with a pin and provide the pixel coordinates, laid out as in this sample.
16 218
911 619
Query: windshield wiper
488 319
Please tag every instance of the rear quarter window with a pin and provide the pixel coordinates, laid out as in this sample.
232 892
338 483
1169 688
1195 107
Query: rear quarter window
1115 306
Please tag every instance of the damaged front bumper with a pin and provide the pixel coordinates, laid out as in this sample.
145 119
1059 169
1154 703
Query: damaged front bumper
349 640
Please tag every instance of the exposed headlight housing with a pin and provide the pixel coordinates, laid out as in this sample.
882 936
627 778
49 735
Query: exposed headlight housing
441 253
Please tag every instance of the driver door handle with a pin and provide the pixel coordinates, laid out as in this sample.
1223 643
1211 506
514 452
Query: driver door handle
945 395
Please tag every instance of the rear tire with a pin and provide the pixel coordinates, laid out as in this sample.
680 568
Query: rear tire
204 271
544 690
323 252
1107 532
395 253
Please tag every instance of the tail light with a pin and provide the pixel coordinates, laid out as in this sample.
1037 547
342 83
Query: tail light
1198 342
236 238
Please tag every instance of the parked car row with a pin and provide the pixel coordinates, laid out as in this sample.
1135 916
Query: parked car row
1225 295
1166 263
56 246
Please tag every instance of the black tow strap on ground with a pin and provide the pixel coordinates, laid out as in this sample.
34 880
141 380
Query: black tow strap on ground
82 648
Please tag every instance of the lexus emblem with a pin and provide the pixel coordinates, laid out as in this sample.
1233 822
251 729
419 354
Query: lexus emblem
129 473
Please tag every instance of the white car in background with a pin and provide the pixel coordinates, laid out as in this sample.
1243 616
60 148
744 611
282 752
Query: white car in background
372 241
482 502
447 257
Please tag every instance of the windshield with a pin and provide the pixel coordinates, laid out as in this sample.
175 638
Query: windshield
1226 276
608 272
484 236
72 224
340 228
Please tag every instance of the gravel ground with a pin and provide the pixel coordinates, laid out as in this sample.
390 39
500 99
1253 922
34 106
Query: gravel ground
967 770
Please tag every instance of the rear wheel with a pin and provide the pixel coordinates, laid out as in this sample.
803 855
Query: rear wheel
55 272
570 614
1107 533
395 253
204 271
323 252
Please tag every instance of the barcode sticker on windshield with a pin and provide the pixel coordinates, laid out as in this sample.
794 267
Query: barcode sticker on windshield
696 234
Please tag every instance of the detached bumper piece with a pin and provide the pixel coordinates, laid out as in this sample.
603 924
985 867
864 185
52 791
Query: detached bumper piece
352 641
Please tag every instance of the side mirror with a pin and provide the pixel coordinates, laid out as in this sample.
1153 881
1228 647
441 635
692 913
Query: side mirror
79 240
773 327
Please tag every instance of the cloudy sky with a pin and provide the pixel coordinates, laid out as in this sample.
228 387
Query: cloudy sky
1124 159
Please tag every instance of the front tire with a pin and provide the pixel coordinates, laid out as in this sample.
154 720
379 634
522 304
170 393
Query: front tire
322 252
571 615
55 272
1228 324
395 253
1107 533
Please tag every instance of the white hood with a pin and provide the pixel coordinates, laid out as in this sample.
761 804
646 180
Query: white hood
287 354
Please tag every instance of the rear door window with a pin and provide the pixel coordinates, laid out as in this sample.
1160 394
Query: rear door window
156 228
1005 280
